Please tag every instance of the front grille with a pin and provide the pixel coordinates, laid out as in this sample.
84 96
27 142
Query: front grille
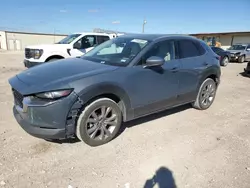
28 53
18 98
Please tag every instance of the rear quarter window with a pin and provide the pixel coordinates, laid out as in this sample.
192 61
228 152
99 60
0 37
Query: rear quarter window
190 48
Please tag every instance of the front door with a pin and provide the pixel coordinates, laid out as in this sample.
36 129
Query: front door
83 45
155 88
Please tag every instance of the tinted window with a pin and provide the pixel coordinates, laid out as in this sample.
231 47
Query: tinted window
216 49
101 39
237 47
164 49
87 42
200 47
188 49
118 51
68 39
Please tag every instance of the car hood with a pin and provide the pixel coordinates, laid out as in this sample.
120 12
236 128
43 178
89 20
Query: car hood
49 46
234 51
56 75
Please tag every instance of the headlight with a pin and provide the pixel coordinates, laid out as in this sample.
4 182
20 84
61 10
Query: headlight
36 53
54 94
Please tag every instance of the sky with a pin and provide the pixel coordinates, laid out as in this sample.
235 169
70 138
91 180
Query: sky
162 16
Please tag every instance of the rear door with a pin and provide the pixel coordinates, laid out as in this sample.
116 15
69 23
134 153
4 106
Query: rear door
193 63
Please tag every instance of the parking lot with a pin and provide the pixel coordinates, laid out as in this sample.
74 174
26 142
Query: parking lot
183 147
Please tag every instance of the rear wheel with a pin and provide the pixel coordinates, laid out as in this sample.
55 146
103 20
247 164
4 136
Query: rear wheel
99 122
206 95
241 59
225 61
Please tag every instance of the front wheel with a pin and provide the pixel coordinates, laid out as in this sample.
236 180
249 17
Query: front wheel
225 61
99 122
206 95
241 59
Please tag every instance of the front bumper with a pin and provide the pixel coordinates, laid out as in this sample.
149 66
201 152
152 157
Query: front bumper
234 58
39 132
47 121
29 64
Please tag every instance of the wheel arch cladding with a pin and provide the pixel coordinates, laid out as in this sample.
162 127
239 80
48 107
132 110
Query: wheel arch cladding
110 91
54 57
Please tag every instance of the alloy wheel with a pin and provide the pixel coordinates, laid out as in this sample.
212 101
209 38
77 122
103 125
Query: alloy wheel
208 94
101 123
225 61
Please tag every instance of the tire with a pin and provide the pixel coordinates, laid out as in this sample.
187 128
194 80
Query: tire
225 61
241 59
91 124
205 92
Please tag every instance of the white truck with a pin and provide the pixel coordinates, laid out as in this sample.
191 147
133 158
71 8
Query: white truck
73 45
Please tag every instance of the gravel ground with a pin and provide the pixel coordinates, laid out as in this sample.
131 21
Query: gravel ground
183 147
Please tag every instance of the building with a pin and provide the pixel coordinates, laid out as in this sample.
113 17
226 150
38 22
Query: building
12 40
225 40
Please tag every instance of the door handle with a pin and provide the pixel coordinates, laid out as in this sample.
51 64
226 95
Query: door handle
205 63
174 69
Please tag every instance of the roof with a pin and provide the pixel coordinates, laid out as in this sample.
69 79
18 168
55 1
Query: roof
154 36
223 33
92 33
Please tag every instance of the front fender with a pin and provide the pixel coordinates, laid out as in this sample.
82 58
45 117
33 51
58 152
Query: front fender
96 90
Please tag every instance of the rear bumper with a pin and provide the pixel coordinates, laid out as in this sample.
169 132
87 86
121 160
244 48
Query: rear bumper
29 64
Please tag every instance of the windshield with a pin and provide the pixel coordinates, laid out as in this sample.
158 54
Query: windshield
237 47
118 51
68 39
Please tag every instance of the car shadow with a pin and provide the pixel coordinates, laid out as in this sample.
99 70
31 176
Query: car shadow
130 124
244 74
163 178
64 141
152 117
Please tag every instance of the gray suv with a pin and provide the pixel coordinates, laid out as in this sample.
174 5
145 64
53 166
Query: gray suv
240 52
120 80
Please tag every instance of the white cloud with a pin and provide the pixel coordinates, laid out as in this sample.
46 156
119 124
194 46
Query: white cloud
63 11
116 22
93 10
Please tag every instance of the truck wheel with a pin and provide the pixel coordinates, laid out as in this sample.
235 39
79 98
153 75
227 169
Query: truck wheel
99 122
206 95
241 59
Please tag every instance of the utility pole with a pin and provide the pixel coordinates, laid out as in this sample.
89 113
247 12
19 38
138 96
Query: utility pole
143 25
54 35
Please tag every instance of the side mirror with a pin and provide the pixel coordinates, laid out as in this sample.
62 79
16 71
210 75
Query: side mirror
154 61
77 45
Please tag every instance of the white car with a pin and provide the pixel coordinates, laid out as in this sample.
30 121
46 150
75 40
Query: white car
73 45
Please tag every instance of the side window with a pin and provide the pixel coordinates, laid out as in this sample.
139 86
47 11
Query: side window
248 47
164 49
86 42
101 39
188 49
